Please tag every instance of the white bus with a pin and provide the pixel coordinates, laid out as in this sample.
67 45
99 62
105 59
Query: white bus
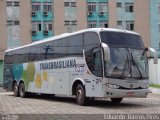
91 63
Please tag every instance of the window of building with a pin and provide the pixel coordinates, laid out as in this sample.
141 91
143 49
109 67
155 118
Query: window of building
67 22
36 7
92 24
9 3
39 27
129 7
13 22
73 4
70 26
119 23
129 25
66 4
73 22
16 22
70 22
92 7
70 4
12 3
119 4
47 7
159 8
103 7
48 26
16 3
9 22
103 24
36 26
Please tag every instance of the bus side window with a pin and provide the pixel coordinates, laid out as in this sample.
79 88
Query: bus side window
97 62
91 47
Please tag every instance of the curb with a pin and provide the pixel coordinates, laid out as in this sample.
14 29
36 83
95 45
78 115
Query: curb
155 90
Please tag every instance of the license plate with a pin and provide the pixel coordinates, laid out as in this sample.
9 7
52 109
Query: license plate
130 94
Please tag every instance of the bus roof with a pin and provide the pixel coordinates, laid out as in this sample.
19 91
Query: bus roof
97 30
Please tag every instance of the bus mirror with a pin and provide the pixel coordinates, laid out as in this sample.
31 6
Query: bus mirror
106 52
155 55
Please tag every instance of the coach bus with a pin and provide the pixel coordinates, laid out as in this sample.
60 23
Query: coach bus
88 64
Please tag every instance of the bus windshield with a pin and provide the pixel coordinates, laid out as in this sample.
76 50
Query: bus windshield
128 56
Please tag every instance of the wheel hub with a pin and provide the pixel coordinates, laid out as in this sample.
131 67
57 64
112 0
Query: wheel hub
79 95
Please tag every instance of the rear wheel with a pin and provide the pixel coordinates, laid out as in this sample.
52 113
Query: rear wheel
15 90
80 95
116 100
22 92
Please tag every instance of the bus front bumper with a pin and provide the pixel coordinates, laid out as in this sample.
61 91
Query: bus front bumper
121 93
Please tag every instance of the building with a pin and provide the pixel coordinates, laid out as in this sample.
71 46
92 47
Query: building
42 19
155 39
2 36
155 24
14 28
26 21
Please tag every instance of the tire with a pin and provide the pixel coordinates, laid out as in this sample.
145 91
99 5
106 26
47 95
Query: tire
80 95
15 90
116 100
22 92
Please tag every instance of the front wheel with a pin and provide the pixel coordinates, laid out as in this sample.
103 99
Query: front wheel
116 100
22 92
80 95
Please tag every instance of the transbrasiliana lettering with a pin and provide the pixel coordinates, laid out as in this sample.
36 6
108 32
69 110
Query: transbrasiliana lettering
58 64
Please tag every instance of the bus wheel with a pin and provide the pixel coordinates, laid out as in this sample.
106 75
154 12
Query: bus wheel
22 90
80 95
116 100
15 90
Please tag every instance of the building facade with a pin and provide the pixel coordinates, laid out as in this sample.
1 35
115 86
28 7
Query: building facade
27 21
3 37
155 24
42 19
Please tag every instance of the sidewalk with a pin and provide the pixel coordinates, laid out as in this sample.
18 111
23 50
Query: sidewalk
155 90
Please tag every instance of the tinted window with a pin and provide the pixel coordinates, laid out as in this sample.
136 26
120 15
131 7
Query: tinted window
74 45
91 41
55 49
17 56
122 39
69 46
93 58
97 62
36 53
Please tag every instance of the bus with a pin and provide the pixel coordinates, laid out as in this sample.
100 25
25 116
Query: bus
91 63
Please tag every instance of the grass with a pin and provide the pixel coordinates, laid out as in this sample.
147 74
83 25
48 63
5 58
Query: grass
154 85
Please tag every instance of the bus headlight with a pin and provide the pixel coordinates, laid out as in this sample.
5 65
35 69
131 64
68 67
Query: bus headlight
145 86
112 86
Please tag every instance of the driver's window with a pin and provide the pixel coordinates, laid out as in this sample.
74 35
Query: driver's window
93 53
97 62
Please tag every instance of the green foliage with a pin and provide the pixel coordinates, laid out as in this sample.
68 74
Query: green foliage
154 85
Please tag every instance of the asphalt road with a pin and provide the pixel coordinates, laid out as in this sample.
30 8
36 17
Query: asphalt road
62 108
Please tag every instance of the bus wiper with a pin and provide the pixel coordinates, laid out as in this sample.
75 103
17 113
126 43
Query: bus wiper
125 67
135 65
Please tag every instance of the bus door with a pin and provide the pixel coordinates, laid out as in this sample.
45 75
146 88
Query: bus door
97 71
